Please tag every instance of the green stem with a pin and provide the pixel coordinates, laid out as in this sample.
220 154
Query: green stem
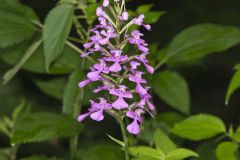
125 138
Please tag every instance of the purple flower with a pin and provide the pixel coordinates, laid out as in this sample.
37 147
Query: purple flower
94 75
139 20
137 78
120 103
146 99
96 110
105 3
116 58
134 127
136 39
100 12
100 89
84 83
142 58
124 16
110 33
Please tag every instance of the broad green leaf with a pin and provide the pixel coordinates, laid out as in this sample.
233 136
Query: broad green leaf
17 8
227 151
61 65
38 127
142 151
173 89
40 158
180 153
163 142
102 152
234 84
144 8
52 87
153 16
206 150
199 127
201 40
14 29
28 53
55 32
72 92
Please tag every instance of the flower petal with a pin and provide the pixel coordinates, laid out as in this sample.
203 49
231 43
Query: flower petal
97 116
120 103
133 127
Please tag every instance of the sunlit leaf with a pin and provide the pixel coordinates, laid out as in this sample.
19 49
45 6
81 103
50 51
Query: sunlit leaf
180 153
227 151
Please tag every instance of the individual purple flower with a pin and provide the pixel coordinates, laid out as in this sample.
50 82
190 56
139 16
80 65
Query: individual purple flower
139 21
142 58
134 127
95 40
134 65
136 39
120 103
84 83
96 110
116 58
105 3
94 75
124 16
100 12
145 99
137 78
110 33
100 89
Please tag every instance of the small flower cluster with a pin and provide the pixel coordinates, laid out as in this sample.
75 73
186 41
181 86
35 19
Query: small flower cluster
116 68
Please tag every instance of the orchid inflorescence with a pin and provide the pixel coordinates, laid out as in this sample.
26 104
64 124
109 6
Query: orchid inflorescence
115 67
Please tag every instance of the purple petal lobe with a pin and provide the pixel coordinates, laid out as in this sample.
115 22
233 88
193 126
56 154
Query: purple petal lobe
133 127
120 103
97 116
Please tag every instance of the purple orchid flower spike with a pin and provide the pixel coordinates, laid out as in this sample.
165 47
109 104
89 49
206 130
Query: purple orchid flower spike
134 127
136 39
142 58
120 103
96 110
116 58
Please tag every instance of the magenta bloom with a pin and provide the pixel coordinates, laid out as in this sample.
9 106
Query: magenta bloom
116 68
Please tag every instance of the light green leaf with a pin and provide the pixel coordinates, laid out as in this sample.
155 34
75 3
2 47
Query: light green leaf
173 89
153 16
144 8
90 13
180 153
234 84
38 127
236 135
227 151
9 33
201 40
72 92
163 142
55 32
53 87
28 53
102 152
199 127
142 151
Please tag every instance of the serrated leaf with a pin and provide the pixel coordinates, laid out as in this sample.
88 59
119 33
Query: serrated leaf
28 53
72 92
38 127
199 127
227 151
173 89
9 33
234 84
163 142
153 16
180 153
144 8
102 152
61 65
201 40
56 29
52 87
142 151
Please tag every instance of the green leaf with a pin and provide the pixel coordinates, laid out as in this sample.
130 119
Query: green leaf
236 135
55 32
199 127
9 33
28 53
72 92
173 89
90 13
20 111
17 8
144 8
227 151
206 150
102 152
163 142
39 158
153 16
180 153
201 40
53 87
142 151
38 127
61 65
234 84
